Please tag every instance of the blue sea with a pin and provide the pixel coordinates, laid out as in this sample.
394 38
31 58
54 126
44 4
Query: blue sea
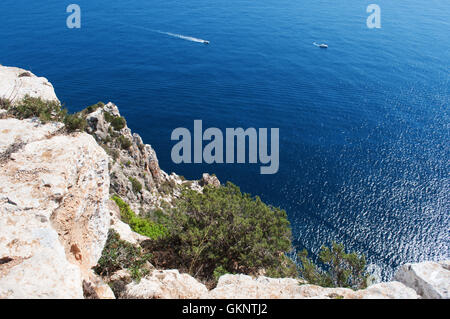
364 125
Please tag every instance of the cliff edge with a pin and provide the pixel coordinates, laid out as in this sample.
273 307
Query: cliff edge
56 212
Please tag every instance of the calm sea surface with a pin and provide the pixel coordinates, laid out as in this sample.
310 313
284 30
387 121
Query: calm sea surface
364 125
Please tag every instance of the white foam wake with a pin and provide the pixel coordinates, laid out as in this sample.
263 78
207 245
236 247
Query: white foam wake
180 36
175 35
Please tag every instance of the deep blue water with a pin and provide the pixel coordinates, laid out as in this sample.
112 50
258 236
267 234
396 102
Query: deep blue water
364 125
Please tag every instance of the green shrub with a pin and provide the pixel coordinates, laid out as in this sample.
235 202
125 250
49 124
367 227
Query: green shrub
342 269
114 153
35 107
5 104
158 216
119 254
108 116
223 230
124 142
136 185
93 108
118 123
139 225
75 122
167 187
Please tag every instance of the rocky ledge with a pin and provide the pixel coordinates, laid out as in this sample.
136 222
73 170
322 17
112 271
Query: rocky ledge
55 213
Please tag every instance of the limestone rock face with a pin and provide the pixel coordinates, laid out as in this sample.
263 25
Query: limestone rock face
166 284
138 161
95 288
386 290
53 209
15 132
431 280
16 83
246 287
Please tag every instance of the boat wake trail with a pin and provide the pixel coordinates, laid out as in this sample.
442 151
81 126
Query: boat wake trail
175 35
180 36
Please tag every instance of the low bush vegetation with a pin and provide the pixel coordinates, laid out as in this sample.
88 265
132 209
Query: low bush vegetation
159 216
93 108
124 142
136 185
35 107
224 231
119 254
108 117
118 123
341 269
75 122
46 111
5 104
138 224
167 187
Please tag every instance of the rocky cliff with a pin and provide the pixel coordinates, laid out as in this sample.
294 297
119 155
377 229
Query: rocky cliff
56 210
54 218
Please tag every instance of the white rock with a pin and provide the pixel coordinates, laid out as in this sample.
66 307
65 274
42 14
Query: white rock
13 131
387 290
46 274
166 284
126 233
95 288
431 280
16 83
246 287
445 264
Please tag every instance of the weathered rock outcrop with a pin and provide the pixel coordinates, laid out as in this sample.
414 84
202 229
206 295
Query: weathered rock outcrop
166 284
431 280
53 209
133 163
16 83
169 284
246 287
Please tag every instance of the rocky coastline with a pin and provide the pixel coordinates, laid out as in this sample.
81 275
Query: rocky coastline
56 212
